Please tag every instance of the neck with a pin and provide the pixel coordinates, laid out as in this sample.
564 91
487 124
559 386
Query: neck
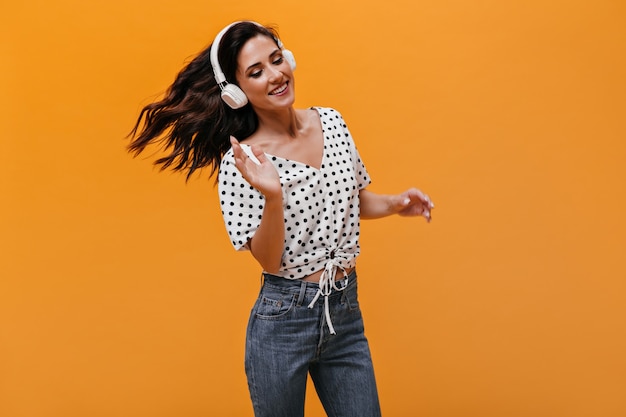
280 122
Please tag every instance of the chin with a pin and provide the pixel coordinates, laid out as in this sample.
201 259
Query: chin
284 102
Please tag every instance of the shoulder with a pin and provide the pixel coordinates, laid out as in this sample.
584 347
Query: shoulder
227 166
227 159
326 111
330 116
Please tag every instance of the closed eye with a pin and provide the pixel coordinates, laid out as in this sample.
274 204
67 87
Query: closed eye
278 60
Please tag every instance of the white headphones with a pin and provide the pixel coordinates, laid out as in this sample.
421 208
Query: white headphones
232 94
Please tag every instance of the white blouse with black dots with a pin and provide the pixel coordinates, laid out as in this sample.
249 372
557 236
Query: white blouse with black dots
321 206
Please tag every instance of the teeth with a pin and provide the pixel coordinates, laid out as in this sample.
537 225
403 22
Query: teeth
280 89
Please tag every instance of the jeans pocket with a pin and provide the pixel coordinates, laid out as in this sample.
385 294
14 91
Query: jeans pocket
275 306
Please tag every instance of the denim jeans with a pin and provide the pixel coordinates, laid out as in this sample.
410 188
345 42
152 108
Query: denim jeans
286 340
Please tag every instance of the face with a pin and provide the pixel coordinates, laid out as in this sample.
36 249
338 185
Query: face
264 75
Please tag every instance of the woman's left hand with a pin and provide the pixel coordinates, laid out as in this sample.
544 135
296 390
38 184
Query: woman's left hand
413 202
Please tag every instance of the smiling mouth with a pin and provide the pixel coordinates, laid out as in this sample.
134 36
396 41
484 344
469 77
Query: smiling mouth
279 90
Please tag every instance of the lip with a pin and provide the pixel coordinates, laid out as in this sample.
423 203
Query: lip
284 86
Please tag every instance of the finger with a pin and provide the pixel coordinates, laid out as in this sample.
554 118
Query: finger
239 155
241 165
422 197
416 194
401 201
429 201
234 142
258 153
237 151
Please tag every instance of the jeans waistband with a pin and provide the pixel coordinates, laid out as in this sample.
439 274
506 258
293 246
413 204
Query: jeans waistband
286 283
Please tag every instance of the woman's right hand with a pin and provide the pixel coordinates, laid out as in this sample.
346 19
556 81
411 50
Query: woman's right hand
262 176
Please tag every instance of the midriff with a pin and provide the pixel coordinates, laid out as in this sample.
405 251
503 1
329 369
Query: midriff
315 276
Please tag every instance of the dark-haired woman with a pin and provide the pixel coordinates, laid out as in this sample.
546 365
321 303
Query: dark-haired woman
293 189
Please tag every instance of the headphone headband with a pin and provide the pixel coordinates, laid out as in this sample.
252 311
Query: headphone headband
215 63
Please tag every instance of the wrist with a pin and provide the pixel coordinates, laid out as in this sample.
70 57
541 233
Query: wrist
394 203
274 199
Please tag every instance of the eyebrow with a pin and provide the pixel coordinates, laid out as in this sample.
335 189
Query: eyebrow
276 51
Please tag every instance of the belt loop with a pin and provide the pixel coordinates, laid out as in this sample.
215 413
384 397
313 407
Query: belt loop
302 292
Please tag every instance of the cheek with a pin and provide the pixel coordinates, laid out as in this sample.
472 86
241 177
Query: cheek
253 86
289 73
245 83
245 87
241 81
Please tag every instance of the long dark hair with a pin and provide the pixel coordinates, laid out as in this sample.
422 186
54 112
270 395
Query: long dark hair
191 120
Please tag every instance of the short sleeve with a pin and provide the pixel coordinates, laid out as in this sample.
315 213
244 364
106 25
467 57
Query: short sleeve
362 177
241 204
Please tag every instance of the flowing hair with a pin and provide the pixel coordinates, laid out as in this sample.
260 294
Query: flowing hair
192 122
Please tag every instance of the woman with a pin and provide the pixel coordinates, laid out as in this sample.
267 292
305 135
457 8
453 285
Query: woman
292 191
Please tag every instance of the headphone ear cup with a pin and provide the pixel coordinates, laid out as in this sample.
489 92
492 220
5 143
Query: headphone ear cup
288 55
234 96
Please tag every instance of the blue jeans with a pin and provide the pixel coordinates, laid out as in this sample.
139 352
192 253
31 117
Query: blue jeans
286 340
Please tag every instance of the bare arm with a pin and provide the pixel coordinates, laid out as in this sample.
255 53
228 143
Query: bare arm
412 202
267 244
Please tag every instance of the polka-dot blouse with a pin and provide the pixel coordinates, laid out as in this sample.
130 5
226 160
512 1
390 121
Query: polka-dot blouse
321 206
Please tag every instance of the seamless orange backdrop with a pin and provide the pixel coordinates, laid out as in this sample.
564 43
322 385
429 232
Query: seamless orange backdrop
121 296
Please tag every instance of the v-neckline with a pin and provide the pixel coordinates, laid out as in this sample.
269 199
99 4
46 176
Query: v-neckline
324 139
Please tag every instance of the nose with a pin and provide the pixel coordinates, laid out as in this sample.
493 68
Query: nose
275 74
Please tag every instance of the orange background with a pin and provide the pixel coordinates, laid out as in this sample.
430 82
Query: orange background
121 296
